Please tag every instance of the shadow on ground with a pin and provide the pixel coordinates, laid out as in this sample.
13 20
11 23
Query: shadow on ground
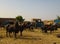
29 37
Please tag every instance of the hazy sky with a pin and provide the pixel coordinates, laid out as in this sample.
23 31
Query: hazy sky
43 9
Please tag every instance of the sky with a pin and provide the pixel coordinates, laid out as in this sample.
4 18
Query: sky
29 9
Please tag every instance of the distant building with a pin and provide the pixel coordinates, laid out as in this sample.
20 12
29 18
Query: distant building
3 20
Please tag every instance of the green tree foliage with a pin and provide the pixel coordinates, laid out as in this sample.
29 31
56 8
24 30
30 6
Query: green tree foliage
19 18
58 17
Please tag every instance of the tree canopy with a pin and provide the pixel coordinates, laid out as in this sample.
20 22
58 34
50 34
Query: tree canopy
19 18
58 17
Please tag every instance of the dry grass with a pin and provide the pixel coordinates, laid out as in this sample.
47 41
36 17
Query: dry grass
36 37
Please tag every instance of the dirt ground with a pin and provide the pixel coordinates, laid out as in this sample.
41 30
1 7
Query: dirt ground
36 37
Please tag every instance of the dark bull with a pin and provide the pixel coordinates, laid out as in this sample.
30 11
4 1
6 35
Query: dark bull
14 29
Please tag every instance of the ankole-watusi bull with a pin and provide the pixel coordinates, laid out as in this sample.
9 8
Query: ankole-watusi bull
14 29
46 28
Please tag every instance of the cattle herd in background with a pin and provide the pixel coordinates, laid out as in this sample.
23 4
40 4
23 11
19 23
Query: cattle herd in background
16 27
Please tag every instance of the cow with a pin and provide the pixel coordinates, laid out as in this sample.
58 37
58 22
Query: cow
14 29
46 28
29 26
9 30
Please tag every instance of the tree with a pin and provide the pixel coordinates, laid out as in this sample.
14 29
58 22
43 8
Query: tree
19 18
58 17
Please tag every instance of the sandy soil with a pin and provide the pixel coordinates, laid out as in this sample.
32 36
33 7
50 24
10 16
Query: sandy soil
36 37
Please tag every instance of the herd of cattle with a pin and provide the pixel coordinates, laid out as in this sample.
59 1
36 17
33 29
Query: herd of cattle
17 27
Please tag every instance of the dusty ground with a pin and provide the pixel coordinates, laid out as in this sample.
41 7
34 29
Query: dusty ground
36 37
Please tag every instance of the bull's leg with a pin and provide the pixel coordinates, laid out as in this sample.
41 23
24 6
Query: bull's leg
6 34
50 31
56 28
32 29
20 33
15 34
45 31
9 34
